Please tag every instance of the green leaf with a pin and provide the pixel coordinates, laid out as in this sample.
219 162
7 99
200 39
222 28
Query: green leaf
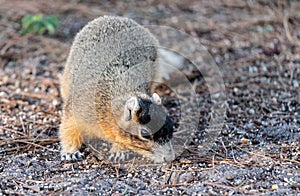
26 21
41 30
39 24
50 28
37 18
52 20
36 27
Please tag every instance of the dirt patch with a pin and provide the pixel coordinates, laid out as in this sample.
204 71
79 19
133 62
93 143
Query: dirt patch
256 45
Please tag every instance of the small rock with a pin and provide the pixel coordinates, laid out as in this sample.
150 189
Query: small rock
229 177
245 140
251 111
274 187
185 161
295 83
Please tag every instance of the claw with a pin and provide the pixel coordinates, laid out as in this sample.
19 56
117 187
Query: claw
72 156
117 157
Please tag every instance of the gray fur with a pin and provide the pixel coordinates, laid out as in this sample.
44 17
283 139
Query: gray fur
111 65
98 50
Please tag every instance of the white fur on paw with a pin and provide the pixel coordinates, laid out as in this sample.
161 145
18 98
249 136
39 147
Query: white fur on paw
72 156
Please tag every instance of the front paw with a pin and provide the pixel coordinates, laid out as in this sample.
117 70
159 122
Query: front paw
121 156
72 156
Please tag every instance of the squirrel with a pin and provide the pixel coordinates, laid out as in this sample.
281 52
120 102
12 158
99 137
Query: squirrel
107 91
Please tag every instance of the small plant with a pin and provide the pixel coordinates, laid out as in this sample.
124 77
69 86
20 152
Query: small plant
265 29
39 24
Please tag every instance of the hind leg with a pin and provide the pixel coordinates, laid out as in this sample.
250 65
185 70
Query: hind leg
70 137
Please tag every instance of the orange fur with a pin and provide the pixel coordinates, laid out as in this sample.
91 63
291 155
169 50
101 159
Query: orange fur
70 137
72 133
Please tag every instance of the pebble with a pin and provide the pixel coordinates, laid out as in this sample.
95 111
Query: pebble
251 111
295 83
274 187
245 140
229 177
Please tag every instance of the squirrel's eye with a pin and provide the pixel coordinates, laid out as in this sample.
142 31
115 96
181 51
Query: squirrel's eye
145 134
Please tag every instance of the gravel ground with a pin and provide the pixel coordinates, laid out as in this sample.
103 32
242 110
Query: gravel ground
256 46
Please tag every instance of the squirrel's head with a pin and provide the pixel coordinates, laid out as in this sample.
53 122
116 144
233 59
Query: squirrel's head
148 124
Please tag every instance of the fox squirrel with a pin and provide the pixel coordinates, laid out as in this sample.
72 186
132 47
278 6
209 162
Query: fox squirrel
107 89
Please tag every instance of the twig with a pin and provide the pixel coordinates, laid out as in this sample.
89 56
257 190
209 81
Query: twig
14 131
31 141
16 39
194 170
36 95
221 185
23 126
286 28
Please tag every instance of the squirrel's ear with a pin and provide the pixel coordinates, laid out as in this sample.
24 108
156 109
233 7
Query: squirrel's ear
131 107
156 99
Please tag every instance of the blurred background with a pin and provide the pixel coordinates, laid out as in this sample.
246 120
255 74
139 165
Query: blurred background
256 45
